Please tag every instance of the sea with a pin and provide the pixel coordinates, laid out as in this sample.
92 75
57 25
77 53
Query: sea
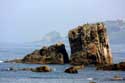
87 75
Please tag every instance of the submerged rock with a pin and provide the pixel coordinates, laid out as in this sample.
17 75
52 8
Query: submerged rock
37 69
92 82
54 54
116 78
89 45
14 61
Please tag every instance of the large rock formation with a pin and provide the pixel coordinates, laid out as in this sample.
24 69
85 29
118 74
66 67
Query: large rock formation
55 54
89 45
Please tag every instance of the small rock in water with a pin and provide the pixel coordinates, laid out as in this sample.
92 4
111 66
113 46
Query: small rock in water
8 69
92 82
112 67
71 70
117 78
42 69
74 69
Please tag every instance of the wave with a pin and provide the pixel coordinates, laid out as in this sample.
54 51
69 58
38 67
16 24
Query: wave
90 79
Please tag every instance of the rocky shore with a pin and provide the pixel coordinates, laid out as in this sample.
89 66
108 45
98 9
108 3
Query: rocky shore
89 46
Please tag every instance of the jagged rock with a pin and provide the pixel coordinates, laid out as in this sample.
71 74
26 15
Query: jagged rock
42 69
55 54
74 69
89 45
112 67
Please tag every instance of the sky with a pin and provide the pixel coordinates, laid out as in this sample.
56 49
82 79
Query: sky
30 20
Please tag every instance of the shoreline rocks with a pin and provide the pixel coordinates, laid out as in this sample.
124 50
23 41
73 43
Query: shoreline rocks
112 67
37 69
89 45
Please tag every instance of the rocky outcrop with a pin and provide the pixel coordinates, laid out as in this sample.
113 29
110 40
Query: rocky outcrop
55 54
89 45
112 67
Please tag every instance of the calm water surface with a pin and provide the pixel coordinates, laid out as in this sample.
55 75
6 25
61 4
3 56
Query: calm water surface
58 75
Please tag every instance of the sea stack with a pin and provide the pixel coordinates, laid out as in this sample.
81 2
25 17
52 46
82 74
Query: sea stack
54 54
89 45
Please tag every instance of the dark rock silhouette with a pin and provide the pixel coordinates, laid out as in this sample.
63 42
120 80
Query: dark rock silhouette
89 45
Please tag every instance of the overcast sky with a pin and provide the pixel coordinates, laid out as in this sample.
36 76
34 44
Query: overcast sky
29 20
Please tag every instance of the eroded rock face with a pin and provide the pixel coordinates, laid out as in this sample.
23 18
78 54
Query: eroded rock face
55 54
89 45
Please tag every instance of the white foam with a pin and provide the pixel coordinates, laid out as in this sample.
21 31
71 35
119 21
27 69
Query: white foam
54 69
1 61
90 79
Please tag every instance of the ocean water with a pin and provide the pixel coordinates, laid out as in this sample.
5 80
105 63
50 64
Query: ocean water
85 75
57 75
